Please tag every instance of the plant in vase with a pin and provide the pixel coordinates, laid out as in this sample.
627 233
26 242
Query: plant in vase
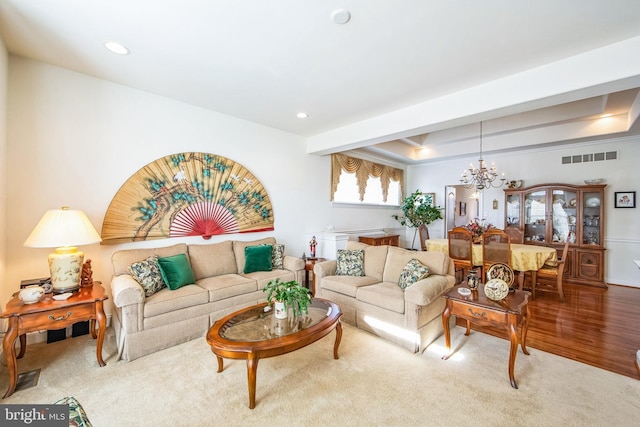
287 295
478 227
418 209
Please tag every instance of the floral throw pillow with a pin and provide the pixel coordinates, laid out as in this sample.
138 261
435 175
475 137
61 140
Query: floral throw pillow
350 262
412 272
147 273
277 256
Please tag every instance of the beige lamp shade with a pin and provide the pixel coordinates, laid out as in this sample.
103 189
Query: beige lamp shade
64 229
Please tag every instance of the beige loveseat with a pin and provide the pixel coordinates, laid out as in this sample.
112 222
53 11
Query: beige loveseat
375 302
145 324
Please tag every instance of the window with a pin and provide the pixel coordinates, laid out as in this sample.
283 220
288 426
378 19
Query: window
363 182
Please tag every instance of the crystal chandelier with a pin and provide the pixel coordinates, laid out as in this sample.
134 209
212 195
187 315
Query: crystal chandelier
481 177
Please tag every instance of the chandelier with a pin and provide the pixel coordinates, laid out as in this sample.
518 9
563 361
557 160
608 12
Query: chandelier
481 177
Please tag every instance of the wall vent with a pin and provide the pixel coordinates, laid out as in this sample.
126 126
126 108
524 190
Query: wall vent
591 157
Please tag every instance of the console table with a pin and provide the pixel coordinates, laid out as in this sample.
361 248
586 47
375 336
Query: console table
86 304
391 240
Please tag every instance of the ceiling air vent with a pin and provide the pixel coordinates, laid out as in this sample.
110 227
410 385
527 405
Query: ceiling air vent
592 157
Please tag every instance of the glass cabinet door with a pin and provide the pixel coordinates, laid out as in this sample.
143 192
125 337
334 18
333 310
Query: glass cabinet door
563 215
513 210
591 218
535 205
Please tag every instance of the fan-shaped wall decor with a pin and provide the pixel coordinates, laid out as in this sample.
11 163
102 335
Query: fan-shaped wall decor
187 194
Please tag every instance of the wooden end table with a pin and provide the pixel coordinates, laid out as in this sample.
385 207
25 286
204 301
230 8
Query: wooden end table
477 308
86 304
308 266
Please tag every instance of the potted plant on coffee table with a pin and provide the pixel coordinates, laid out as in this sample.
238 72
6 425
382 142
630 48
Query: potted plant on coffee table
287 295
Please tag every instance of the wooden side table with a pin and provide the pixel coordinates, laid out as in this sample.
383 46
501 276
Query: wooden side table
308 266
86 304
391 240
477 308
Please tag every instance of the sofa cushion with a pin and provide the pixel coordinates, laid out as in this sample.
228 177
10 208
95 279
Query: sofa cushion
227 286
147 273
386 295
258 258
412 272
122 259
212 260
350 262
176 271
238 250
277 256
374 258
397 258
166 300
347 285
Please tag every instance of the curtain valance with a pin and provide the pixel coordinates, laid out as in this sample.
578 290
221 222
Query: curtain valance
363 169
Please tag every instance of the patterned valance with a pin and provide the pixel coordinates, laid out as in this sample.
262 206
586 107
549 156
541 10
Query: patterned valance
363 169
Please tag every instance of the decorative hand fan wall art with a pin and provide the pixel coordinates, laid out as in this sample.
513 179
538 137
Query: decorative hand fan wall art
187 194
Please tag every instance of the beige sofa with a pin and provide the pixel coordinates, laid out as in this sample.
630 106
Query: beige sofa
376 303
144 324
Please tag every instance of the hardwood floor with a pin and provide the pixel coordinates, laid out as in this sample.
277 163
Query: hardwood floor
596 326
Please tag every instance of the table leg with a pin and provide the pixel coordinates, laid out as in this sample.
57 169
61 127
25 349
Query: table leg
252 371
101 319
468 331
513 349
92 328
446 314
220 363
525 328
338 339
23 345
8 345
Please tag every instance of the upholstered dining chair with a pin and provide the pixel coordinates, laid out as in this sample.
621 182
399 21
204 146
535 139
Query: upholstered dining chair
423 231
496 248
460 250
549 277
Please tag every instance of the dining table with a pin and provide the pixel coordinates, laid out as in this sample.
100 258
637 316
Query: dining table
523 257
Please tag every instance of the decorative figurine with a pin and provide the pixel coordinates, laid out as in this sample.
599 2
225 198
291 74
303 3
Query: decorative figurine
312 247
86 278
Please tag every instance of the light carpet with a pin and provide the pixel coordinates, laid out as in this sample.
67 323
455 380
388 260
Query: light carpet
373 383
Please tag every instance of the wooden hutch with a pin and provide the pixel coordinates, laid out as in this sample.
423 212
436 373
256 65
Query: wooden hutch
546 213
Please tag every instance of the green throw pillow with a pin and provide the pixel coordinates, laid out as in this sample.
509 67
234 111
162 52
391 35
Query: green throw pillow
176 271
147 273
412 272
350 262
257 258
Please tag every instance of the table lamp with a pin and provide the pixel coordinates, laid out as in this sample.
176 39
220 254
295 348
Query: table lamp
64 229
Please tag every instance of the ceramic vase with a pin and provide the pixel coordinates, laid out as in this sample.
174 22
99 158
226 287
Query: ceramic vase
279 310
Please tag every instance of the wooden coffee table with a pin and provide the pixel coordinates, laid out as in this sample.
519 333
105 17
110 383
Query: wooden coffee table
477 308
254 334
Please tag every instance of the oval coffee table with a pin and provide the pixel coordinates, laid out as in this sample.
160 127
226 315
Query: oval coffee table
253 334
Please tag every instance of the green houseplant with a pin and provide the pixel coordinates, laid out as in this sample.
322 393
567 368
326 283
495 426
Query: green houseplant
418 209
291 294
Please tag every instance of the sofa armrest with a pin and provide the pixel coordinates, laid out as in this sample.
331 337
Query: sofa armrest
292 263
126 291
324 269
424 291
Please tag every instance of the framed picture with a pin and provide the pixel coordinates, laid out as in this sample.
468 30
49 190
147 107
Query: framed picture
625 199
463 208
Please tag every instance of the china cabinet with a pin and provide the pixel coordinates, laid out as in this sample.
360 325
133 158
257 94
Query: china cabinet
546 213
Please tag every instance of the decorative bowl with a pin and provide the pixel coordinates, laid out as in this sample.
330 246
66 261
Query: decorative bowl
31 294
594 181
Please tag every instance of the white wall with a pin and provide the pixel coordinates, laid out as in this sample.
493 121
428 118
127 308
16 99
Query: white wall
4 76
622 226
74 140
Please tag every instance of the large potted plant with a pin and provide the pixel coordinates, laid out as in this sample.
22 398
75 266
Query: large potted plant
418 209
287 295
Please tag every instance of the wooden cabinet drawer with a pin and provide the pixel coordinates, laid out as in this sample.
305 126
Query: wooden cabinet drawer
478 314
57 319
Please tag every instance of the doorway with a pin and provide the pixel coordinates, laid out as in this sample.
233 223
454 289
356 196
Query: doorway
461 207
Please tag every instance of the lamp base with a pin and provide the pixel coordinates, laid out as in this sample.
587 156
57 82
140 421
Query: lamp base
65 265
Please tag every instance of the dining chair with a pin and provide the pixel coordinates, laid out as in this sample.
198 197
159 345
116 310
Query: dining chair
549 277
423 231
460 250
515 234
496 248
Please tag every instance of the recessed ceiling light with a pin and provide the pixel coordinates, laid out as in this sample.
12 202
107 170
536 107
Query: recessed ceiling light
302 115
116 47
341 16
